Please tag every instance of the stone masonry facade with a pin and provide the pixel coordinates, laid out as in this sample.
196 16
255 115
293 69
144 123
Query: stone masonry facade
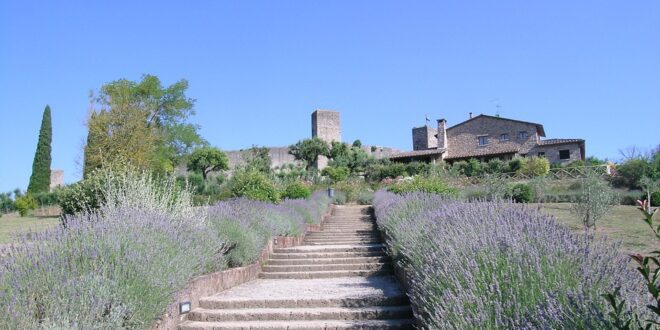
325 126
486 137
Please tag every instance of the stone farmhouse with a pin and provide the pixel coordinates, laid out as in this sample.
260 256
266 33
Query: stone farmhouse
486 137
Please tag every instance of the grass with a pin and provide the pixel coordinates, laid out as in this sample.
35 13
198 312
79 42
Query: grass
623 223
12 223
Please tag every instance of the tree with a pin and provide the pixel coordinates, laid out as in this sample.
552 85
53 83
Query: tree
309 151
535 166
206 160
152 118
40 178
649 186
594 201
351 157
258 159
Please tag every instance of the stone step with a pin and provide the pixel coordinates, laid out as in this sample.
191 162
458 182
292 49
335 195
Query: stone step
340 243
317 324
353 260
324 255
339 248
325 267
325 234
327 274
342 239
301 314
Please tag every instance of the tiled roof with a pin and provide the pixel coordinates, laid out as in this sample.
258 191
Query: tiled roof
539 127
417 153
479 153
558 141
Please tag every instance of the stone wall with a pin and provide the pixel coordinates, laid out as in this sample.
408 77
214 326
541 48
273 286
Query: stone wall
551 152
463 139
278 156
424 138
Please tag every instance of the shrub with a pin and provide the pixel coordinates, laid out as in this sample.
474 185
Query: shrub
6 203
493 265
253 185
515 164
594 201
520 193
25 204
336 173
380 171
46 198
83 196
296 190
417 168
428 185
496 166
339 198
535 166
365 197
630 172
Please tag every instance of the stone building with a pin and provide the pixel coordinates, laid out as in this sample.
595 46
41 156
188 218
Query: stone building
486 137
56 179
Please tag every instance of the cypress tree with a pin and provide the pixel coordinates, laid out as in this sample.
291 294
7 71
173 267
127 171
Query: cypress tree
40 179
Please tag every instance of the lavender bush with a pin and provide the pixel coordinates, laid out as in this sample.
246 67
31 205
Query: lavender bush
501 265
119 267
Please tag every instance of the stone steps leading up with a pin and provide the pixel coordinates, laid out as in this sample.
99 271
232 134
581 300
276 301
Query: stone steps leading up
340 278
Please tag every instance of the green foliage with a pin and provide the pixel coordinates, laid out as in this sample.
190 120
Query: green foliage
515 164
339 198
630 172
351 157
357 143
418 168
47 198
40 178
142 122
365 197
242 244
7 204
196 183
253 185
83 196
351 189
258 159
309 151
472 167
496 166
431 185
296 190
594 201
25 204
206 160
385 169
336 173
535 166
520 193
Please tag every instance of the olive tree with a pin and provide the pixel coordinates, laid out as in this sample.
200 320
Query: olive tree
594 201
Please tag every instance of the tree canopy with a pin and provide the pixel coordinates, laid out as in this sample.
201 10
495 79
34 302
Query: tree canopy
40 178
141 122
309 151
206 160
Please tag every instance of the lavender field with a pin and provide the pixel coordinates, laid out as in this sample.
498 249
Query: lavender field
501 265
119 267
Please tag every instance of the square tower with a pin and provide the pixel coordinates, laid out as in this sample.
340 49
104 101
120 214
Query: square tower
424 138
325 125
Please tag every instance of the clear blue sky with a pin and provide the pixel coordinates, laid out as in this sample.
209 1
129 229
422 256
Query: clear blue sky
587 69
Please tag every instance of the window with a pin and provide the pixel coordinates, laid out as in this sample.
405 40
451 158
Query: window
522 135
504 137
541 154
564 154
483 140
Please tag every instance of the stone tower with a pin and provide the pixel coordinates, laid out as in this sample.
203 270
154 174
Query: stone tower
325 126
424 138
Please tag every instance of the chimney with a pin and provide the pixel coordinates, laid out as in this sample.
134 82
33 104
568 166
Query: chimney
470 115
442 134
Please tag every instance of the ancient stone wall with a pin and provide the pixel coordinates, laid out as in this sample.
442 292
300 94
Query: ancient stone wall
551 152
56 179
326 125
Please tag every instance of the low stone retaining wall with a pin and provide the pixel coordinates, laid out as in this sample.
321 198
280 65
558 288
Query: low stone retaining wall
210 284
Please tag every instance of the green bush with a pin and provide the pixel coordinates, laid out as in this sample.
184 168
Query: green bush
296 190
25 204
380 171
535 166
85 195
6 203
46 198
339 199
336 173
496 166
515 164
242 244
253 185
417 168
655 198
630 172
428 185
365 197
196 182
521 193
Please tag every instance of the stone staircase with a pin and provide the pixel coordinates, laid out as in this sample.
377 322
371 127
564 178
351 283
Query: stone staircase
340 278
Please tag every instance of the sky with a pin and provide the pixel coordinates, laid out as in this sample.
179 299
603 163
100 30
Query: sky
258 69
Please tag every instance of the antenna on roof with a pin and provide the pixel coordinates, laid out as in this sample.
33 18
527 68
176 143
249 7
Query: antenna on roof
427 119
497 112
